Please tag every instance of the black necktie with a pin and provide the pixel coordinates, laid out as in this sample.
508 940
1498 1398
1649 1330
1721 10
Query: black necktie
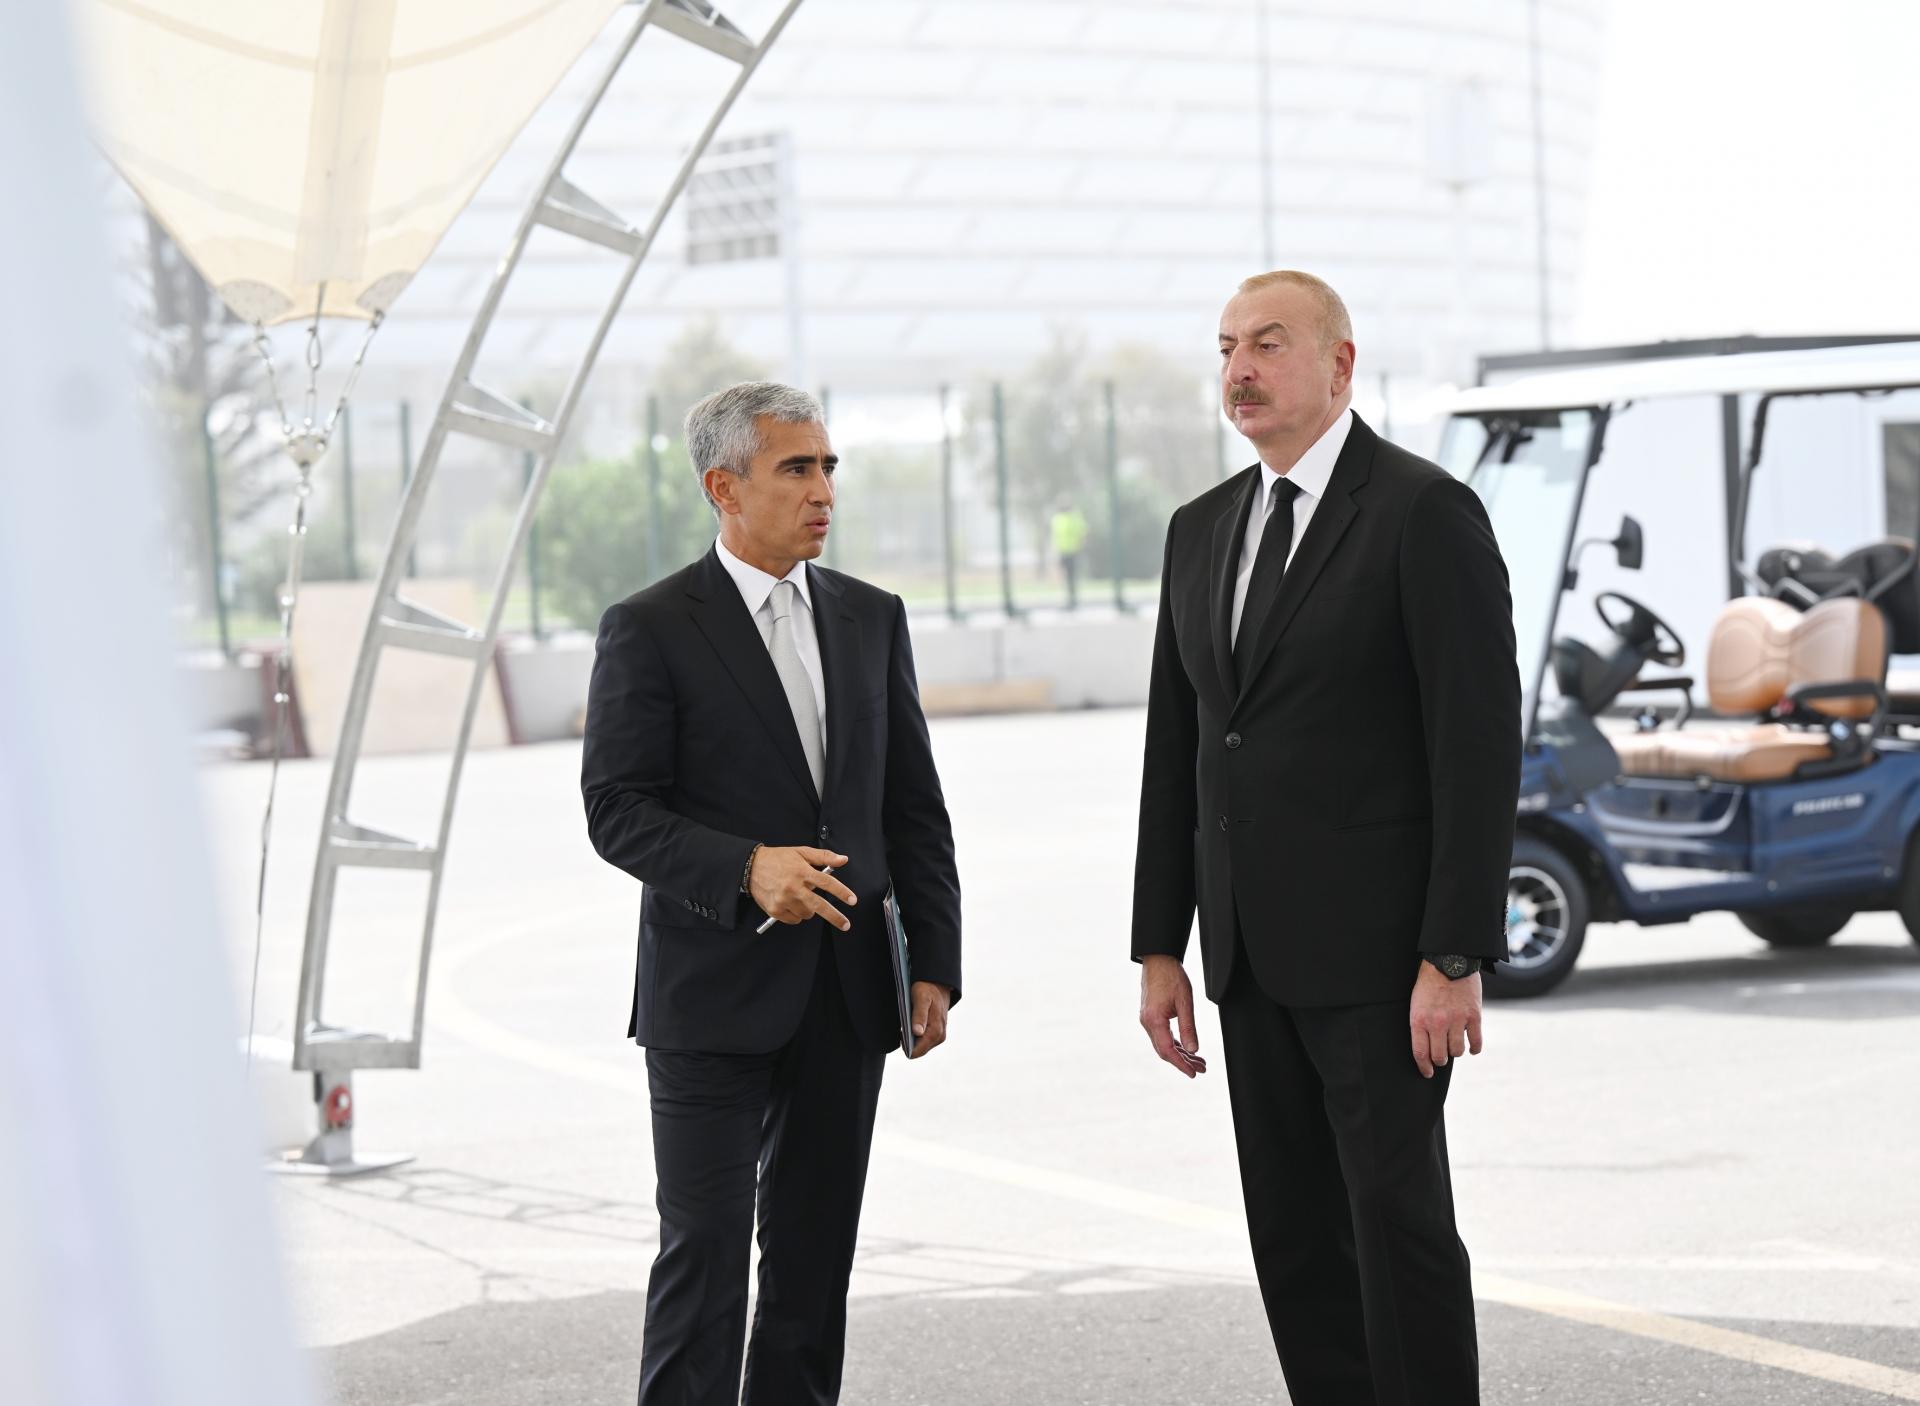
1268 567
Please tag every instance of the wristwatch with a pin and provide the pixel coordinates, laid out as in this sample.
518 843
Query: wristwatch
1452 967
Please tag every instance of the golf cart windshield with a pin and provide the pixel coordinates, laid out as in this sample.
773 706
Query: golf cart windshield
1530 470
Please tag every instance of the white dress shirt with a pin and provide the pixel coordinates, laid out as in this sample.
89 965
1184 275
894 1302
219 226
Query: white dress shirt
1310 476
756 589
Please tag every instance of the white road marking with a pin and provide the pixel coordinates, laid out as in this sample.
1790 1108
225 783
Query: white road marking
454 1015
1813 1262
1702 1337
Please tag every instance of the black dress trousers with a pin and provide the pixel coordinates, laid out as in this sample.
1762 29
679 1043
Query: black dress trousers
1343 1164
797 1126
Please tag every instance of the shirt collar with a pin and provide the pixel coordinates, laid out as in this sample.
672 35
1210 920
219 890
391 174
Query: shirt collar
1315 469
756 585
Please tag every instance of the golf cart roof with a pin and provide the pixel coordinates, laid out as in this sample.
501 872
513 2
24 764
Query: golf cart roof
1762 372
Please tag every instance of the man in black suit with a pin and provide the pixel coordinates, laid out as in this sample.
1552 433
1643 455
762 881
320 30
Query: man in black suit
755 750
1332 763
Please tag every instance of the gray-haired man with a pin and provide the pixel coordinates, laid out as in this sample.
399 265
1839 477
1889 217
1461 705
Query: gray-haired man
755 750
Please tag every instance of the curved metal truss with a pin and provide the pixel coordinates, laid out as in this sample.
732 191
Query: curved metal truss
470 409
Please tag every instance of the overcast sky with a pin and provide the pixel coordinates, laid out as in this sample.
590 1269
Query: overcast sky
1757 169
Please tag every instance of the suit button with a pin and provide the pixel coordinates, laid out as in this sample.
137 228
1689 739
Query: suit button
686 903
1233 741
1223 822
825 832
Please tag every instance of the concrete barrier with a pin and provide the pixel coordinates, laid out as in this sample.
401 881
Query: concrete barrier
987 664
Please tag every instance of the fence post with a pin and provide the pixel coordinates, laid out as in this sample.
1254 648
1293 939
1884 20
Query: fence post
533 545
946 512
1220 443
406 476
1114 555
346 493
654 545
1000 480
211 463
826 413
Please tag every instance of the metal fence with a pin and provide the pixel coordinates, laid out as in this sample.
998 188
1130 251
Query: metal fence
964 500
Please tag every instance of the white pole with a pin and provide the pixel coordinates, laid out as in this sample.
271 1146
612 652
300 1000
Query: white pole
1539 175
788 197
137 1258
1264 69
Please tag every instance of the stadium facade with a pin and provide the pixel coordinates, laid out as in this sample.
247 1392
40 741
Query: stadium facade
972 178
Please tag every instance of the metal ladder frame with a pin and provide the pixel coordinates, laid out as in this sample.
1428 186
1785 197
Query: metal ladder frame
469 409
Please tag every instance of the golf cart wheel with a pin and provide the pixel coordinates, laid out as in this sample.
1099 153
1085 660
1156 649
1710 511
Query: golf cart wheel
1810 926
1546 921
1910 888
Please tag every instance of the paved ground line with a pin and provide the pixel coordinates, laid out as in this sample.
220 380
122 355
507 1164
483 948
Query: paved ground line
462 1020
1703 1337
457 1018
1070 1185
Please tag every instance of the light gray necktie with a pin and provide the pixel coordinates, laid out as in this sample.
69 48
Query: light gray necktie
793 678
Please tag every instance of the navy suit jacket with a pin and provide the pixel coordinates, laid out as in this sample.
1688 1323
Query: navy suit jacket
691 757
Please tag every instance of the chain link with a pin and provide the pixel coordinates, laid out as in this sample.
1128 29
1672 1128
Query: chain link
265 348
315 435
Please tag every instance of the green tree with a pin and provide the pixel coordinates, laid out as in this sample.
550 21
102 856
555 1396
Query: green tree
695 364
1056 423
1165 408
259 565
597 537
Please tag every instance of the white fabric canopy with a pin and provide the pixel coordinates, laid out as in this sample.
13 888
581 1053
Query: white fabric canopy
296 149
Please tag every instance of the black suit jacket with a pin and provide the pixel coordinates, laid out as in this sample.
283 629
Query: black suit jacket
691 757
1350 803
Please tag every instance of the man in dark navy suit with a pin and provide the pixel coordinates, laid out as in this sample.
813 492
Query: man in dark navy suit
755 751
1332 763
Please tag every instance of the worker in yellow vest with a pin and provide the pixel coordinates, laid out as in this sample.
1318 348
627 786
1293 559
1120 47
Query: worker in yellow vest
1069 541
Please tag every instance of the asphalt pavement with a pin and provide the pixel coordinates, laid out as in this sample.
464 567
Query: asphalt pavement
1690 1175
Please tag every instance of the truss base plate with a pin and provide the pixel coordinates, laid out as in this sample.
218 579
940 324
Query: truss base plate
295 1164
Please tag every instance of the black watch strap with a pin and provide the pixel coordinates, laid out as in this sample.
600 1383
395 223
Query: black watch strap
1453 967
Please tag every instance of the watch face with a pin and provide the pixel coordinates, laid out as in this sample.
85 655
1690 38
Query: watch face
1454 967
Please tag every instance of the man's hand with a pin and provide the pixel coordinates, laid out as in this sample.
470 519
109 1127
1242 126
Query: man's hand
1445 1018
930 1001
787 884
1167 995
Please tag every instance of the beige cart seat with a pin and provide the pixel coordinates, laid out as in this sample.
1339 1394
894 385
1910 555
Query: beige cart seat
1761 650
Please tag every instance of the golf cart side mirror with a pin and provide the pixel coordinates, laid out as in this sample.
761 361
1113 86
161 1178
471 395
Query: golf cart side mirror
1628 545
1626 550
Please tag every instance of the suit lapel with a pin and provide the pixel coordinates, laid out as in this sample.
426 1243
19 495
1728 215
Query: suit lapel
1228 534
722 617
1331 518
841 660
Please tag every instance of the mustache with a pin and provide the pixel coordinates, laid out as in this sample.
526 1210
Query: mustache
1245 395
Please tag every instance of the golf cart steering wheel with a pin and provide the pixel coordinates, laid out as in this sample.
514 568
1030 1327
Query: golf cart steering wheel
1640 627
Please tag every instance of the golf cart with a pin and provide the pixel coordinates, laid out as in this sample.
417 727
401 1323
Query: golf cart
1795 806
